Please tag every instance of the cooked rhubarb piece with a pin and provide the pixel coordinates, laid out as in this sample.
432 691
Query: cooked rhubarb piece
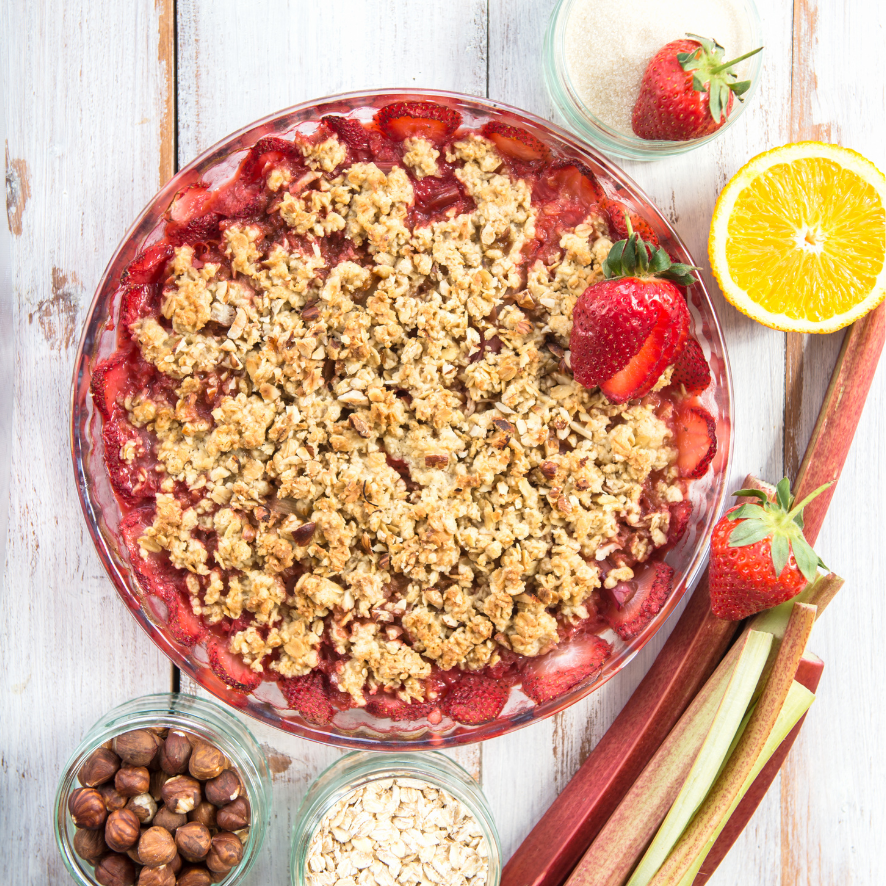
696 439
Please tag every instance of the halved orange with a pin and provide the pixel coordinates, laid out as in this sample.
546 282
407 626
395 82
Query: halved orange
798 237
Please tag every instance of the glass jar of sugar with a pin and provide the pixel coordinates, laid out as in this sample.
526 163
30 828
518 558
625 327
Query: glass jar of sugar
597 50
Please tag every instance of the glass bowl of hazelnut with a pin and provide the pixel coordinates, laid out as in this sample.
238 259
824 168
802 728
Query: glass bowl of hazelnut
164 789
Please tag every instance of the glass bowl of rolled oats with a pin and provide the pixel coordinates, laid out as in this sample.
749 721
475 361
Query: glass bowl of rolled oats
327 439
395 818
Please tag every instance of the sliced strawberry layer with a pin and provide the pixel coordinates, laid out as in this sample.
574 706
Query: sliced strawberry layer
691 369
566 666
615 213
190 203
474 700
696 439
138 302
184 626
265 153
403 120
577 182
653 588
514 142
352 132
156 575
147 267
308 696
231 668
389 707
111 378
681 511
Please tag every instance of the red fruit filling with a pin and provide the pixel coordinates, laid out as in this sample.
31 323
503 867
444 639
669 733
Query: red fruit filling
566 666
629 615
515 143
403 120
696 438
625 361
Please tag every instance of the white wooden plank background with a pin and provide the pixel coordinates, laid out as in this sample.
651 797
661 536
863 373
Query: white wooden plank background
88 108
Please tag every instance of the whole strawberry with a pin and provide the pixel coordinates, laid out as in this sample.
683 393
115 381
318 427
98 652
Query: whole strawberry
759 557
687 90
629 327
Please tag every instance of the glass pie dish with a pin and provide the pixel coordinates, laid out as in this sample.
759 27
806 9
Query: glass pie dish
356 727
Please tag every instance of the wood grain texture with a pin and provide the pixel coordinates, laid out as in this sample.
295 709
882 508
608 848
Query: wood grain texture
82 99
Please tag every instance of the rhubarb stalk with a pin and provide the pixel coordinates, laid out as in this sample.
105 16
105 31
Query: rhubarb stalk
714 751
625 836
715 809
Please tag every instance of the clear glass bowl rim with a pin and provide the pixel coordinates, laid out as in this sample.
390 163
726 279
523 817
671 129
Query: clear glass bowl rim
586 124
196 715
362 767
119 572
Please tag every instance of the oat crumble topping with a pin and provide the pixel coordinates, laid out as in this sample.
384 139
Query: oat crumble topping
399 459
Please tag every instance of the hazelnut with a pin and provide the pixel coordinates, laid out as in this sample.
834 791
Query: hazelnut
207 761
222 789
194 876
90 845
166 818
114 870
225 851
176 864
122 830
100 766
181 793
243 835
144 806
193 841
158 779
161 731
156 847
205 813
87 808
158 876
175 753
132 780
137 748
112 797
234 816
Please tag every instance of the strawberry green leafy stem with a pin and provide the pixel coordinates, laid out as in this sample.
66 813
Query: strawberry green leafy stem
634 257
707 66
783 521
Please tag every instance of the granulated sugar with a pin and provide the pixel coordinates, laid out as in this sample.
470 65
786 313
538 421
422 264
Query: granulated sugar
610 42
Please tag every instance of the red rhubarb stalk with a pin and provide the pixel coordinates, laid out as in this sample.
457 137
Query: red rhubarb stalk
741 762
808 675
695 646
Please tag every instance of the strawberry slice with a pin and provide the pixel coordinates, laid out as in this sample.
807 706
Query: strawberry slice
691 369
134 481
566 666
389 707
696 439
109 380
576 181
351 132
147 266
264 154
231 668
474 700
184 626
156 575
615 213
514 142
681 511
653 588
403 120
195 230
138 302
190 203
308 696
